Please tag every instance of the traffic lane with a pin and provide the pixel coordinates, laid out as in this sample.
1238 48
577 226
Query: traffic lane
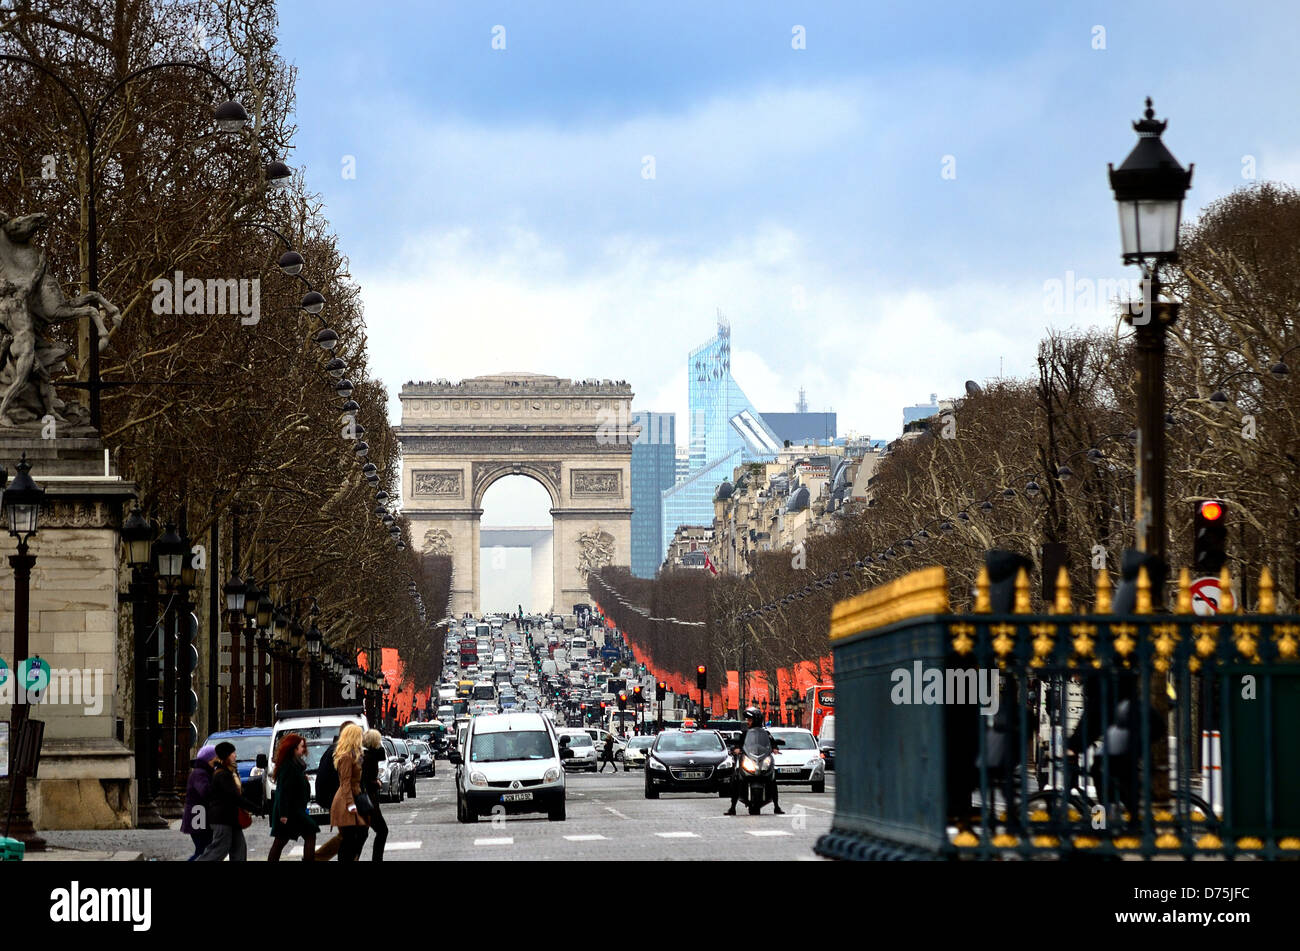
608 818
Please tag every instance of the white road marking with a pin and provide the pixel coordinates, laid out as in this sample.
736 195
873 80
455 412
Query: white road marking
768 832
402 846
584 838
829 812
677 835
503 840
615 811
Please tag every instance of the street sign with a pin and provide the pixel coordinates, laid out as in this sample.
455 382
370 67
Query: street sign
1206 596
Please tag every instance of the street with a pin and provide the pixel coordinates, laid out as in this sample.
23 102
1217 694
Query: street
609 818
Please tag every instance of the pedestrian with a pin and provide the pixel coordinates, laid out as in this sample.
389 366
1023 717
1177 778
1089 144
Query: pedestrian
609 754
327 784
198 793
289 816
371 755
225 808
344 814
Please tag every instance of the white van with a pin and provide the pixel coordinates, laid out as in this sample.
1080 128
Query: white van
508 764
548 668
578 648
318 727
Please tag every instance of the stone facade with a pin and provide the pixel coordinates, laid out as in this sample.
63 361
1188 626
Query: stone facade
460 438
86 776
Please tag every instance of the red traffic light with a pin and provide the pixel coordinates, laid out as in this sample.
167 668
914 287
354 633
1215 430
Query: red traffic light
700 669
1211 511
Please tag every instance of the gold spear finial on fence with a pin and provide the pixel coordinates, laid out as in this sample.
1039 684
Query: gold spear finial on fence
983 601
1144 592
1022 592
1184 605
1267 592
1227 603
1063 604
1102 605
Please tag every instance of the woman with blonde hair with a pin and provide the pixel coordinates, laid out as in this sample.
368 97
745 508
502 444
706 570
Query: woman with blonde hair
344 815
372 753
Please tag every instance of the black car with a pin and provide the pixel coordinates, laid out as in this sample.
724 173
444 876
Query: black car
688 761
828 748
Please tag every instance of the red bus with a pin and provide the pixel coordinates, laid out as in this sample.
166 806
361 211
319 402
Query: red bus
818 704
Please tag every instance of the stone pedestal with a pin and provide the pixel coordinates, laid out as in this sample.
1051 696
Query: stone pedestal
86 776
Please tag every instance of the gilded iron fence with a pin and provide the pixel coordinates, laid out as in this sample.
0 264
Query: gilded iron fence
1111 735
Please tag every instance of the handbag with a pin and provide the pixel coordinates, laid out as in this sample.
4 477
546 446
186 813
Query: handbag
365 808
245 819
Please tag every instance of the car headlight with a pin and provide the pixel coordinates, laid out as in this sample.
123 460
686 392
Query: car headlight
551 775
813 763
655 764
727 763
749 764
477 779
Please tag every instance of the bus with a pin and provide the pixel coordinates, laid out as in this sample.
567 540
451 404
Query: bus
818 704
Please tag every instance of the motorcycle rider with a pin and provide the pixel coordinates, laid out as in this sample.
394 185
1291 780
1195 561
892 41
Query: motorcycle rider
754 717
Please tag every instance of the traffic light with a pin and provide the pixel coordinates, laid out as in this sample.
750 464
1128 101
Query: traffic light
1209 541
636 695
661 689
701 677
622 702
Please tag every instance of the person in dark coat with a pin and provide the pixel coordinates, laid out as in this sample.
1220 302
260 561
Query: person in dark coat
289 816
223 810
609 754
198 791
371 753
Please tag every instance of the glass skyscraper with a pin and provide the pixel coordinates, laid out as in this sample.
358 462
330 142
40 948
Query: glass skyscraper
654 469
726 431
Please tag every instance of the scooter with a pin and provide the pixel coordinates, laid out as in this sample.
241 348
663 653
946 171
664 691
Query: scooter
756 771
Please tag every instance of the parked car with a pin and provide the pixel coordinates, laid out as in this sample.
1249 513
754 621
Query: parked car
390 773
585 755
408 765
423 757
798 757
826 740
688 761
512 763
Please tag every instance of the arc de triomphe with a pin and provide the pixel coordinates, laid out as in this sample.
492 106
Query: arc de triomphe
459 438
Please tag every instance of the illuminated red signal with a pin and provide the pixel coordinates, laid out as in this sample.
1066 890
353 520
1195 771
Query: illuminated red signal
1211 511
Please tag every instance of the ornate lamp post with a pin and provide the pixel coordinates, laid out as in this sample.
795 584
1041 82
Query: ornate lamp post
1149 189
22 505
169 558
187 701
315 641
138 534
252 595
265 617
234 590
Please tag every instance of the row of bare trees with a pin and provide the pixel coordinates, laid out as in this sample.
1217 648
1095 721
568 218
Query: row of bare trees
1048 459
219 418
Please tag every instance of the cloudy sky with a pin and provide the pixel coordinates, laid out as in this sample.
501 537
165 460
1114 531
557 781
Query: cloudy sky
880 214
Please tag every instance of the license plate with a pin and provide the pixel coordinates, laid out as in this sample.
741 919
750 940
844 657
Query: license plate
789 769
516 796
693 774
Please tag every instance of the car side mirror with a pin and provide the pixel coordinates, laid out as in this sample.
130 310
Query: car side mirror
454 758
261 761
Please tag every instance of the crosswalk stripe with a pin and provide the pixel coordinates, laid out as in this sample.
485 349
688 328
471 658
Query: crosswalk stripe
400 846
584 838
677 835
761 832
503 840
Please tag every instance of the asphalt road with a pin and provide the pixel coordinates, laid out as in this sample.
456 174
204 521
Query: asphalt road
609 819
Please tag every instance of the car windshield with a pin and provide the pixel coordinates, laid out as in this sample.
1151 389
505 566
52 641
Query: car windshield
641 742
689 742
797 741
579 739
246 747
757 743
511 745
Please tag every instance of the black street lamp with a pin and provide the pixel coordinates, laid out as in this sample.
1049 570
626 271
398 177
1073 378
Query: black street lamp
252 597
236 595
22 505
1149 189
169 560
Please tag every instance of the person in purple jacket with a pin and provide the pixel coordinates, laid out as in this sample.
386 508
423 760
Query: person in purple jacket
198 791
